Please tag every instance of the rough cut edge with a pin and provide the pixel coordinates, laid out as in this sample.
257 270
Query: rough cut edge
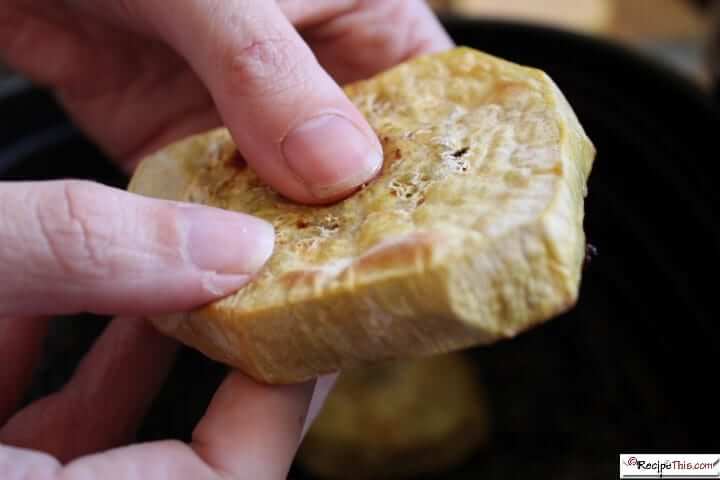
411 312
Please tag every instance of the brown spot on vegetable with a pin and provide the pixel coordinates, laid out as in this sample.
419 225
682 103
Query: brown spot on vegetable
461 152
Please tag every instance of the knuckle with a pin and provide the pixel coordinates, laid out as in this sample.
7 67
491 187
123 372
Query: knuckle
77 236
262 67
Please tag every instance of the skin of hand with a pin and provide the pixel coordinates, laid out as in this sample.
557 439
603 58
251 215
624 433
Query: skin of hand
136 75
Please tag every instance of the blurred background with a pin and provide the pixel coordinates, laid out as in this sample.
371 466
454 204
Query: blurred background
677 32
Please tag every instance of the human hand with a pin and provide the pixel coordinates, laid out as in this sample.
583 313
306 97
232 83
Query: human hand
138 74
135 77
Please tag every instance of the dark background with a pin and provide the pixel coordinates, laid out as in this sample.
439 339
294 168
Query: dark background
632 368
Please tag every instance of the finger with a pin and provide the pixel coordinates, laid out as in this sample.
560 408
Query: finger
21 342
322 11
105 401
379 33
168 459
21 464
291 121
252 430
77 246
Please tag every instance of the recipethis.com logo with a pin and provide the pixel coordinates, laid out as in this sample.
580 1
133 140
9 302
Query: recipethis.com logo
669 466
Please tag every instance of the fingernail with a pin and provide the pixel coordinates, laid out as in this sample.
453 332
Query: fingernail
224 284
226 242
331 155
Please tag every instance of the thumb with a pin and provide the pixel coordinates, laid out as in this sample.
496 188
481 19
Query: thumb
290 120
76 246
